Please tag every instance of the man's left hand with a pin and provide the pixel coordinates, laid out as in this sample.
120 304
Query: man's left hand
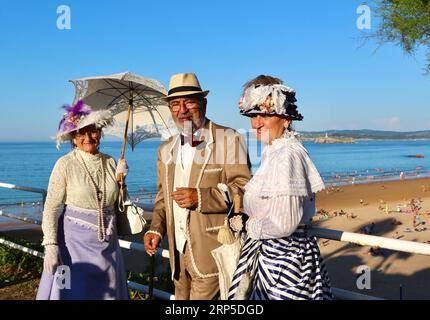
186 198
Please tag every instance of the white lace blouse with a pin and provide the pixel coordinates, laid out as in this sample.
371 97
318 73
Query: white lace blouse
70 185
281 194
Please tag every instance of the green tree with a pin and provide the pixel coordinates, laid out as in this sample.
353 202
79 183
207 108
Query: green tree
406 23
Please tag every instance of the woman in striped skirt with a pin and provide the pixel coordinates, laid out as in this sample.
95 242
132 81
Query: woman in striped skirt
279 260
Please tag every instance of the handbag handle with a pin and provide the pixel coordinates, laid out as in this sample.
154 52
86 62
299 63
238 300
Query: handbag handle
121 205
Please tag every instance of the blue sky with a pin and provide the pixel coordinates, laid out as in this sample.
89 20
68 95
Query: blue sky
312 45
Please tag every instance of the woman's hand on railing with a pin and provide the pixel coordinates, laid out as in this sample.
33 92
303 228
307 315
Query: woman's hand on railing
151 241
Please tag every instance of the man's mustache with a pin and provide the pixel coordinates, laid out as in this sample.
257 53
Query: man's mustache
187 116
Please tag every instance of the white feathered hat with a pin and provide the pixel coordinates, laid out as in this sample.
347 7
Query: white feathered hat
79 116
275 99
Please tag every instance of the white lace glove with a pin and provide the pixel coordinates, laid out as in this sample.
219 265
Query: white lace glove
122 167
52 258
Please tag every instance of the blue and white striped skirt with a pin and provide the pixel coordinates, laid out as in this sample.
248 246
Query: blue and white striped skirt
289 268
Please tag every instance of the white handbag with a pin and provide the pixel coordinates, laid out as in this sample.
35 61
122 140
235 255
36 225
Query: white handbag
130 218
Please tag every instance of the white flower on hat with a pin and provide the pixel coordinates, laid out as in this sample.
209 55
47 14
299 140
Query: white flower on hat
269 98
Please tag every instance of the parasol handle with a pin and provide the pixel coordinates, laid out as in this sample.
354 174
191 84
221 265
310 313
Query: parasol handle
124 139
236 202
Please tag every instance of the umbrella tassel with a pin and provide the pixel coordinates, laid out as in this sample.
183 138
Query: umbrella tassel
225 235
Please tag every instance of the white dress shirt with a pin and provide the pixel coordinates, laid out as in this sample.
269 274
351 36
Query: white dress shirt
184 163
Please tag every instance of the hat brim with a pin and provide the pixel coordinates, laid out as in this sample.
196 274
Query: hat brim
100 119
254 112
185 94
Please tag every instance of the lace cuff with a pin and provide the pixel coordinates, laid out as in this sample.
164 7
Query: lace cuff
199 196
49 242
254 228
154 232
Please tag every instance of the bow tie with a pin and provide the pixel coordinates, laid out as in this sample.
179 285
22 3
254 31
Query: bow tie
188 140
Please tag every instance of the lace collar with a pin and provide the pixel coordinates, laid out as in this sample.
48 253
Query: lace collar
89 157
286 169
286 138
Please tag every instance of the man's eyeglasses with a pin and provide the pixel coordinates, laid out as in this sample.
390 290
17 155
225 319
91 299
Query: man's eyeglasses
175 105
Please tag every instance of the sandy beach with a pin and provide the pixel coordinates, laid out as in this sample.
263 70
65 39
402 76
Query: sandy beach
386 205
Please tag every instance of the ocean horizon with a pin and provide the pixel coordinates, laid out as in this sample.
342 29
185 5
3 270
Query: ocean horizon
29 164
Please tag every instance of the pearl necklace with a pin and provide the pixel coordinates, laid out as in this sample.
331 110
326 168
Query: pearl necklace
100 195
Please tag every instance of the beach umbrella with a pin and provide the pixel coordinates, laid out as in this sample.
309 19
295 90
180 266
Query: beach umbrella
130 98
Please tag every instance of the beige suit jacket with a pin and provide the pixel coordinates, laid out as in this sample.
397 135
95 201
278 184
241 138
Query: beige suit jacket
222 158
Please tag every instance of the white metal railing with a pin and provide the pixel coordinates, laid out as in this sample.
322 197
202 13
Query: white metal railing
140 247
21 188
356 238
337 235
123 243
339 294
16 217
133 285
373 241
21 248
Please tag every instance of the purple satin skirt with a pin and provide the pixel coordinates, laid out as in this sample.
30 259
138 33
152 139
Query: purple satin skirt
91 270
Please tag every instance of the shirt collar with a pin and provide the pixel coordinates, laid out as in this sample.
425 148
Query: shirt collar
196 135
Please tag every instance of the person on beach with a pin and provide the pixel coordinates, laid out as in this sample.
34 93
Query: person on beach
79 222
195 169
279 260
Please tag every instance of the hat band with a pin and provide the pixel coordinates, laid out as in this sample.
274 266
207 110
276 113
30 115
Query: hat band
184 89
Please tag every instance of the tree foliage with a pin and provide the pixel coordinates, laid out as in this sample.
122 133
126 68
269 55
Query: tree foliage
406 23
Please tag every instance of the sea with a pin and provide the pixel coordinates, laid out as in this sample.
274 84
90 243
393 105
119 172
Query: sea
29 164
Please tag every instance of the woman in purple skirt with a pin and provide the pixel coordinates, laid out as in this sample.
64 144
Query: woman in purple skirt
83 259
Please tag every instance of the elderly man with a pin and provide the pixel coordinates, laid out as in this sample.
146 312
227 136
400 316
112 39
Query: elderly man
195 169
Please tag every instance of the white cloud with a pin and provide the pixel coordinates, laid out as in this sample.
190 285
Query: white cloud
391 123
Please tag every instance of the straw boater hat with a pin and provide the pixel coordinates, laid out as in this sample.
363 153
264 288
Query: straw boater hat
275 99
184 84
80 116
